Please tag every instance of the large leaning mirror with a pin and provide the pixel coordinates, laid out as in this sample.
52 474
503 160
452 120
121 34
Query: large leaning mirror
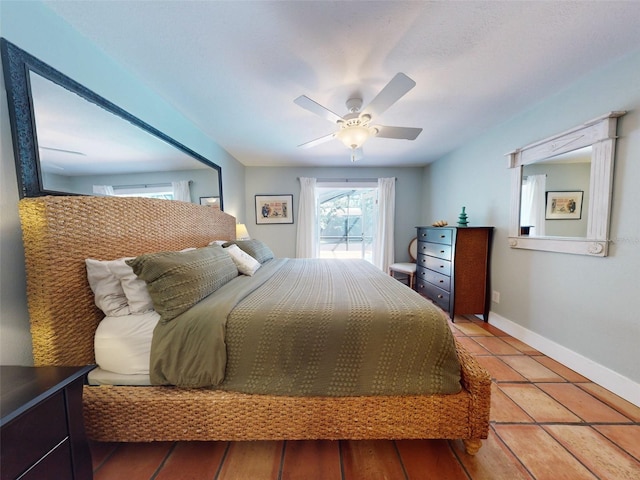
561 190
69 140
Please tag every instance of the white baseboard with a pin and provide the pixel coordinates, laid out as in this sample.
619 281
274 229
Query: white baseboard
603 376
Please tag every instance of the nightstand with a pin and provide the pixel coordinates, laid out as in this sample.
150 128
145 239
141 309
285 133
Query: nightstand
42 430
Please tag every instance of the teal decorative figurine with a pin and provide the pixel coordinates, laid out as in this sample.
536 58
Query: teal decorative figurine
462 218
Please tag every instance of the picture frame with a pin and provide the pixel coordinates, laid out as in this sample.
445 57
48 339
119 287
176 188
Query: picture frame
564 205
274 209
210 202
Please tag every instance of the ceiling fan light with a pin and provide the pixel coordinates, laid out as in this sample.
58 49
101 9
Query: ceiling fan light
353 137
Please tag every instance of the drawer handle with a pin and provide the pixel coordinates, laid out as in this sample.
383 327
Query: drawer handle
441 266
440 296
441 251
441 281
442 236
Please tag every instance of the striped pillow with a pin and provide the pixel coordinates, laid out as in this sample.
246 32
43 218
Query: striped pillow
178 280
256 248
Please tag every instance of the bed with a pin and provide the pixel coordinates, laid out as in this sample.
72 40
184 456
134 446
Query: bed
60 233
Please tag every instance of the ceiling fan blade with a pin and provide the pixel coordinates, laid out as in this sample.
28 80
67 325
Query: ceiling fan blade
390 94
314 107
402 133
357 154
317 141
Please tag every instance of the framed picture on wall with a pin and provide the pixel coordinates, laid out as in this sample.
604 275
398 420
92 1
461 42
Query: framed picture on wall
564 205
210 201
274 209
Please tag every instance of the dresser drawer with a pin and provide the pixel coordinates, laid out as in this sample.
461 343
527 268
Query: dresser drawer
437 295
435 235
29 437
442 281
435 250
436 264
56 465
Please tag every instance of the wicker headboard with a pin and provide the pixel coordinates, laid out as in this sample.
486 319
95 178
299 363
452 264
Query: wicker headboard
59 233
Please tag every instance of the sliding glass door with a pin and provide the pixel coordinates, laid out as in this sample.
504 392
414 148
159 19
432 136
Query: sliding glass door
347 219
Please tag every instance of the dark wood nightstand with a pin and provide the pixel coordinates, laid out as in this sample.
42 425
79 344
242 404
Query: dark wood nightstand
42 433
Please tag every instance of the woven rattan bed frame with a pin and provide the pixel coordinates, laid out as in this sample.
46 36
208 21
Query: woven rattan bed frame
60 232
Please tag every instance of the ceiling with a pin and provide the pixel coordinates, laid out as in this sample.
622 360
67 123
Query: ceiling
234 67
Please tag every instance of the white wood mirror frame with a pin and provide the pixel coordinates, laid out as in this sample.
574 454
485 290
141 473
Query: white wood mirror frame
600 133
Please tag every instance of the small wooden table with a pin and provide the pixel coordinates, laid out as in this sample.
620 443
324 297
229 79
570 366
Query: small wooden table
42 431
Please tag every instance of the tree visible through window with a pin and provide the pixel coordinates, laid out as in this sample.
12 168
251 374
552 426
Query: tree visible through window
347 222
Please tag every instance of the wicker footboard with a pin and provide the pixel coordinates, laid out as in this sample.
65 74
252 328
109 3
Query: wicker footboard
142 414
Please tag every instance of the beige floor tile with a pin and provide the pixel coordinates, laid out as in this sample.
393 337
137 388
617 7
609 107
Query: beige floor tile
471 329
499 370
586 406
530 369
493 461
504 410
626 437
601 456
541 454
472 346
538 404
620 404
560 369
497 346
523 347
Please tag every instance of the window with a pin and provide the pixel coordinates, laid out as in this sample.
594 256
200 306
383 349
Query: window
347 221
164 192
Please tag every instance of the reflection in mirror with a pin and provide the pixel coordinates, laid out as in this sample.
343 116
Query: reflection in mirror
68 140
561 189
568 172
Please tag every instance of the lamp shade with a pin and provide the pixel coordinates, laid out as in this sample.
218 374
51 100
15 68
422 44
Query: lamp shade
353 136
241 232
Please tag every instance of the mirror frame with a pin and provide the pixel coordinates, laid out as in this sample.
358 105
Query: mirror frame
17 64
599 133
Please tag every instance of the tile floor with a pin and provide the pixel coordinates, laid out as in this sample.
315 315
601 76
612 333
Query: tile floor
547 422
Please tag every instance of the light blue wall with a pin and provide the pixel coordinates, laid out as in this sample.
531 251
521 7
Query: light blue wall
588 305
280 180
35 29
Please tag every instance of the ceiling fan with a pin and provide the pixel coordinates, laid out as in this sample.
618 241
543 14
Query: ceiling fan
355 127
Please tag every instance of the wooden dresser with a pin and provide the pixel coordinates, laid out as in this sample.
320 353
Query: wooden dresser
453 268
42 431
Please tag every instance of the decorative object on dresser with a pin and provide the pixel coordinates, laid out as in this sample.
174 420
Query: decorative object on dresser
453 268
462 218
42 429
407 268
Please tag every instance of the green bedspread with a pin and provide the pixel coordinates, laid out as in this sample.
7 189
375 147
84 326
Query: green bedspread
310 327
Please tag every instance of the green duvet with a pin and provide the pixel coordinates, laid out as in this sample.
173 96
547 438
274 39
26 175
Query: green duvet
309 327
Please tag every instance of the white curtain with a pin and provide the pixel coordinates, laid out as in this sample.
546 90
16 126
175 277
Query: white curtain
307 222
532 205
181 190
103 190
383 248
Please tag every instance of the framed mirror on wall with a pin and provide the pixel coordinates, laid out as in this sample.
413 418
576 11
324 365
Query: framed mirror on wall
561 190
69 140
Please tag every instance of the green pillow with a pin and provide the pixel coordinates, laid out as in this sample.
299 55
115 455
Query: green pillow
256 248
178 280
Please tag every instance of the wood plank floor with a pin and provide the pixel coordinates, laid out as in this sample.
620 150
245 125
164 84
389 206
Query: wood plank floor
547 422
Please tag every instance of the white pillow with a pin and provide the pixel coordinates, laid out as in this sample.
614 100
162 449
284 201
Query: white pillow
108 292
134 288
218 242
246 263
118 291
